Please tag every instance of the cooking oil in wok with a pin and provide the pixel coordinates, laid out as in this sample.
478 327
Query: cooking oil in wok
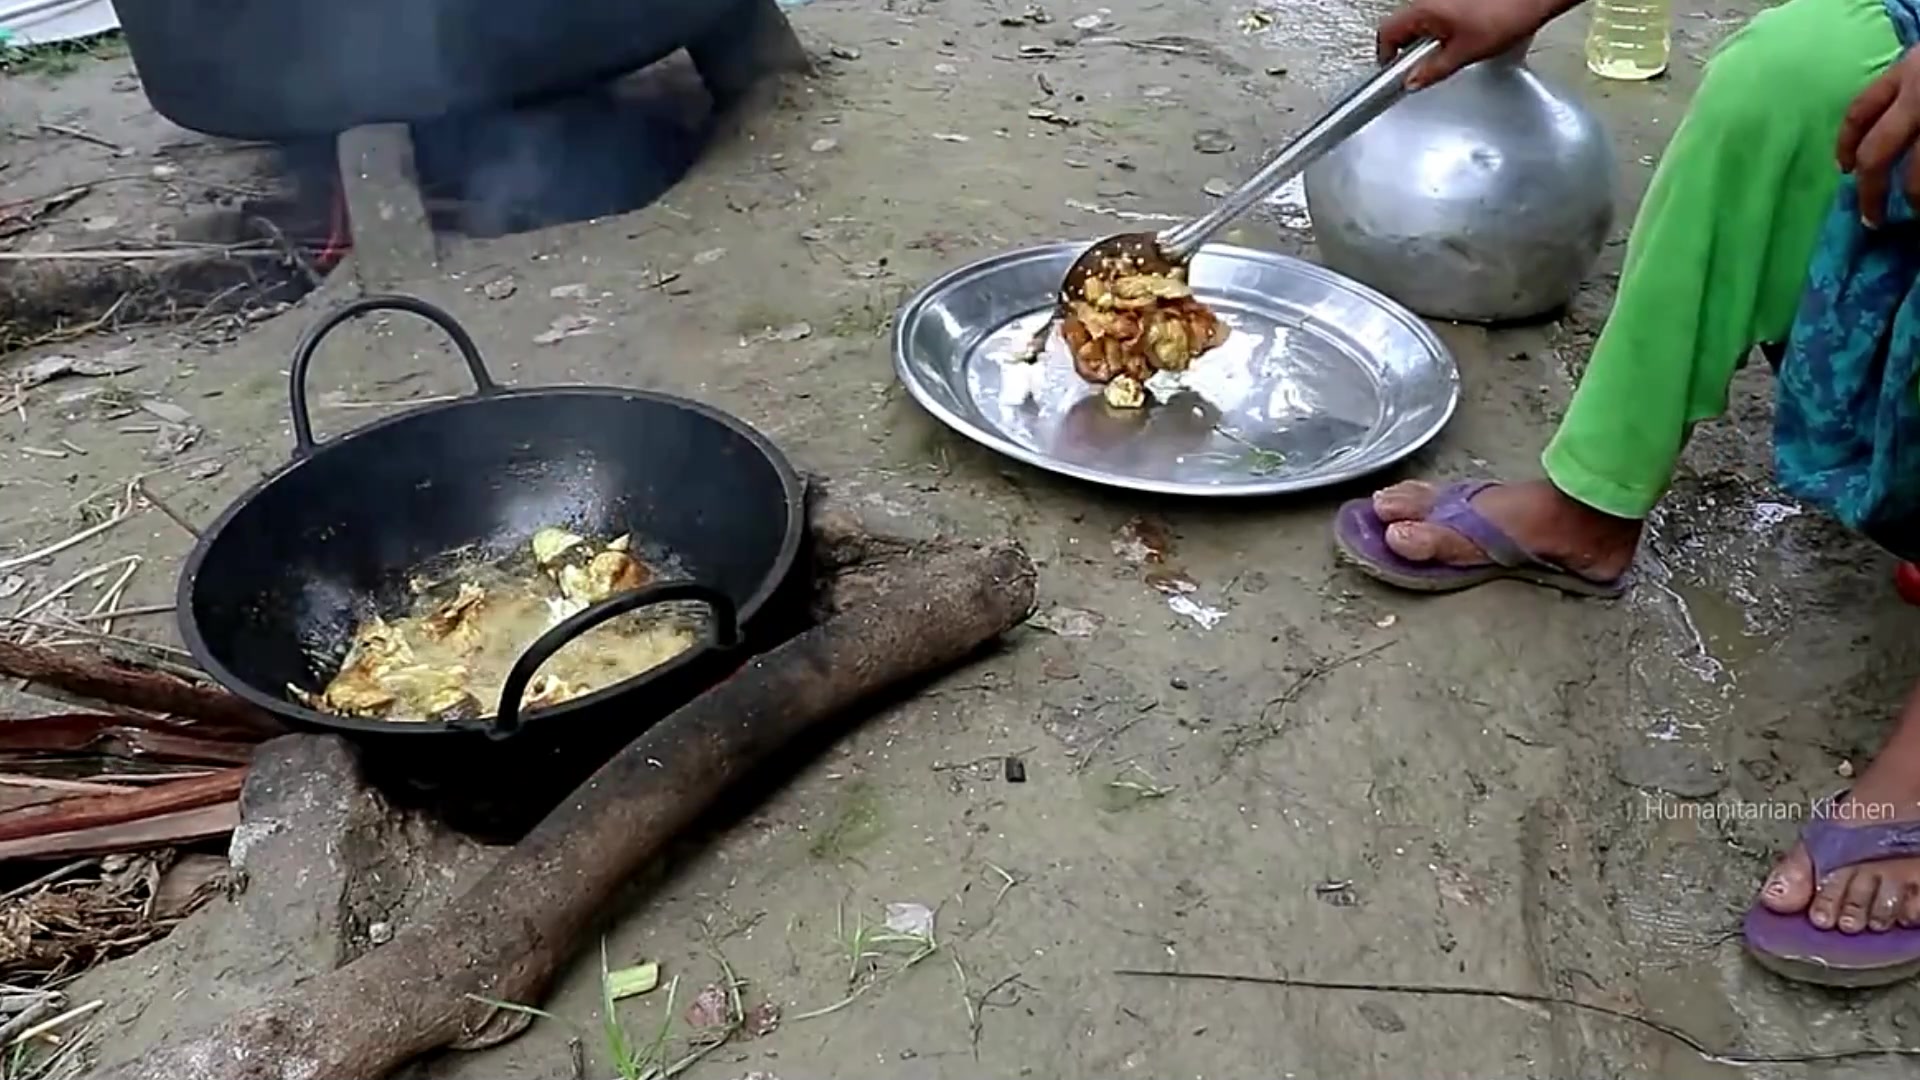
447 655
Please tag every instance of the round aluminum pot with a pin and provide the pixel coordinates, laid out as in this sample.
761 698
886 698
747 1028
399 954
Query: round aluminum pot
1486 198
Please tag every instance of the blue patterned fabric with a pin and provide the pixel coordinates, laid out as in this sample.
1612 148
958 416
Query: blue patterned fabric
1847 402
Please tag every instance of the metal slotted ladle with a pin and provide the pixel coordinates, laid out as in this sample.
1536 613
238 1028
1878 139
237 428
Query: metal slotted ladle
1159 253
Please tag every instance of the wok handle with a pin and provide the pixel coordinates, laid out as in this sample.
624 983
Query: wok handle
725 635
303 443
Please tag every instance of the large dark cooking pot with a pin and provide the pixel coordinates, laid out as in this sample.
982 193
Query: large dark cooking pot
272 593
280 69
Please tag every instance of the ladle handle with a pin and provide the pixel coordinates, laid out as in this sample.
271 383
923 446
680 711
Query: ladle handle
303 443
725 635
1348 115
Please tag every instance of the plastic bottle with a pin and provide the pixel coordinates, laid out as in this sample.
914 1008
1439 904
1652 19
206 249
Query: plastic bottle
1629 39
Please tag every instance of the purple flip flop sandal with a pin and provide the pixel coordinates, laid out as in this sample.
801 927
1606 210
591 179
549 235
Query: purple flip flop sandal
1361 537
1792 947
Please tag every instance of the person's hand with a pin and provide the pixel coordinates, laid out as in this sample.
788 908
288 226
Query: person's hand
1881 125
1468 31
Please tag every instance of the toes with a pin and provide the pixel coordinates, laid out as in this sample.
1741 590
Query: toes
1910 904
1418 541
1871 897
1824 911
1409 500
1886 904
1415 540
1857 902
1789 888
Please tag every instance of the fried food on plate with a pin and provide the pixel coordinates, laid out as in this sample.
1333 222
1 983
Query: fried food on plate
1128 324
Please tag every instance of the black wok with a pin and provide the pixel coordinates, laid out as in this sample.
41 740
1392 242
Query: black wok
275 587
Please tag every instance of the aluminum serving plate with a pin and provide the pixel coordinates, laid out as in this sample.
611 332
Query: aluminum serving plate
1323 380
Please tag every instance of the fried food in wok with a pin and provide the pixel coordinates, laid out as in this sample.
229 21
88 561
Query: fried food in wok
1127 325
449 655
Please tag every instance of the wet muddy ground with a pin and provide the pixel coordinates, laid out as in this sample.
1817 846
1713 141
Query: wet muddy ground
1335 781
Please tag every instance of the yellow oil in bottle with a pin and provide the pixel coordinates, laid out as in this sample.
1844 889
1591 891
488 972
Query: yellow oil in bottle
1629 39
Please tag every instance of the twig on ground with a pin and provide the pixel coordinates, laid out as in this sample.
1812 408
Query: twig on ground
148 178
27 1018
68 333
65 587
866 945
1143 46
989 759
1112 733
127 613
110 597
966 1001
84 136
293 252
736 1020
132 254
54 1022
96 635
1147 787
1315 674
1008 882
14 999
1270 729
262 245
125 511
977 1008
146 494
1734 1057
213 306
46 879
403 403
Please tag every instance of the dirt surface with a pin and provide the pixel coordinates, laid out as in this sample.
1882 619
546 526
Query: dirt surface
1335 781
87 166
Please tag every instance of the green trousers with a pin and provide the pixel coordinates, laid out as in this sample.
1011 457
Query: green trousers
1718 255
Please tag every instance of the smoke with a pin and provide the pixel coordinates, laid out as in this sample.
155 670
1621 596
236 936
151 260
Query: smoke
602 151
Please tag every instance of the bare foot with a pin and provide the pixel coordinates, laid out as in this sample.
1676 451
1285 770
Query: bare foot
1570 534
1870 896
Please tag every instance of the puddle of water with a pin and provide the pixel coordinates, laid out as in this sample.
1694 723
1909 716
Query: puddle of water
1739 545
1661 596
1706 636
1670 728
1719 586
